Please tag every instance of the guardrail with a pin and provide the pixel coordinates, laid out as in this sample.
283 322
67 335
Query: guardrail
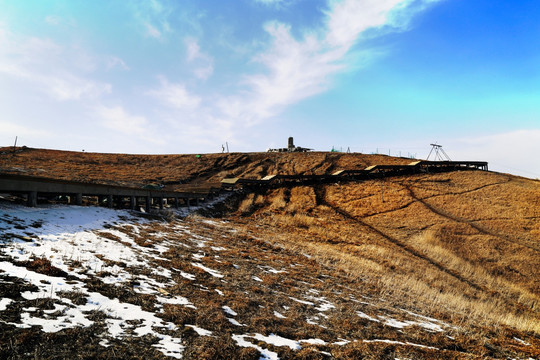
34 186
371 172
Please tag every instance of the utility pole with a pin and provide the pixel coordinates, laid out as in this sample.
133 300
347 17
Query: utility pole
15 145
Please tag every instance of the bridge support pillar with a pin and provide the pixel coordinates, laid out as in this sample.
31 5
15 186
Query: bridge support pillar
132 202
110 201
78 199
197 201
176 202
188 202
161 202
148 203
31 199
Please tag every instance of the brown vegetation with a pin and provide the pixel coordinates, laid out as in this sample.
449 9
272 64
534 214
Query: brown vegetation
464 241
461 247
176 171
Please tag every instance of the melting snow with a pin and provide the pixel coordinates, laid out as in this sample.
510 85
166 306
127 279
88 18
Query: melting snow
66 235
314 341
402 343
119 313
402 324
229 311
265 354
366 316
277 341
212 272
200 331
234 322
4 303
301 301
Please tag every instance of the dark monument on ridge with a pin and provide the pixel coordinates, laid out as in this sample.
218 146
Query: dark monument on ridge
290 148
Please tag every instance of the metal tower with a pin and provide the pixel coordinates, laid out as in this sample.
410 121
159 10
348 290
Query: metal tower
438 153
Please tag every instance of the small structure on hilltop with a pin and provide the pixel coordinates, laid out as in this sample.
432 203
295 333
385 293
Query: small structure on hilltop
439 153
290 148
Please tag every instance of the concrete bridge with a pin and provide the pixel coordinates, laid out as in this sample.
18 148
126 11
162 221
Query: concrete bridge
33 186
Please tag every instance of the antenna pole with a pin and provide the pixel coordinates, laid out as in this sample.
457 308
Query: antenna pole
15 145
438 151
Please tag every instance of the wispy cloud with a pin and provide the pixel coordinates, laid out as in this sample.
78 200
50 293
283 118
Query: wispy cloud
275 3
113 62
53 69
56 20
204 62
118 119
293 68
153 17
53 19
513 151
11 129
174 95
298 68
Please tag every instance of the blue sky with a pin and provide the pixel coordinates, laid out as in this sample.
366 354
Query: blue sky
187 76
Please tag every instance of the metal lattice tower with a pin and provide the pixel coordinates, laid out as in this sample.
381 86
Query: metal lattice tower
438 153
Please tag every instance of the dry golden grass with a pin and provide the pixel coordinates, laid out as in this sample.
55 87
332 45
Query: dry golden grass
182 172
461 247
426 238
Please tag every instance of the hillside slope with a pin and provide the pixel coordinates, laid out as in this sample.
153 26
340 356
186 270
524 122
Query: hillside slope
421 266
176 171
466 241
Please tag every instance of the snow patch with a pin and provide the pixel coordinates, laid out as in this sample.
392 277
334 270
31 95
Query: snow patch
212 272
229 311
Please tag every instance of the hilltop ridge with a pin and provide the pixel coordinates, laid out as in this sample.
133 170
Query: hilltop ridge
176 170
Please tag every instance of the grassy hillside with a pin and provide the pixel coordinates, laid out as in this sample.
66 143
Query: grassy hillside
176 171
462 241
420 266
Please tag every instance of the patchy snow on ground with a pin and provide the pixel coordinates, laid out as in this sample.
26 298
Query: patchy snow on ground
105 246
212 272
73 235
400 343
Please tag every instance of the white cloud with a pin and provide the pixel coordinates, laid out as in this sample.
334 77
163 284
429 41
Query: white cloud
300 68
514 152
204 72
11 130
347 19
53 69
153 17
294 68
116 118
53 19
56 20
115 62
175 95
70 87
152 31
275 3
204 62
193 49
